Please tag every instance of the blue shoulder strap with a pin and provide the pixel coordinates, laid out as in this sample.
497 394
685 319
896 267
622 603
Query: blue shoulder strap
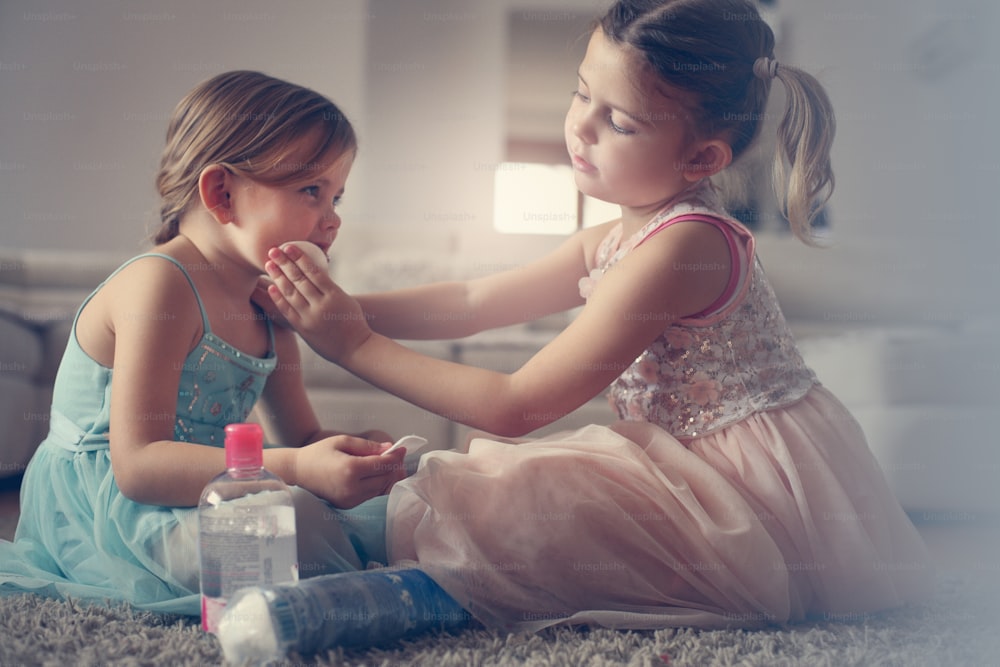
201 306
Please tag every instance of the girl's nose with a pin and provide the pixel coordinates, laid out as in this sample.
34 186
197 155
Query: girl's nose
332 219
583 133
582 127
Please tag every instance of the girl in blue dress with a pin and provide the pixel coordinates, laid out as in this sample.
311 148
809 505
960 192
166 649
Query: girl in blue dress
170 349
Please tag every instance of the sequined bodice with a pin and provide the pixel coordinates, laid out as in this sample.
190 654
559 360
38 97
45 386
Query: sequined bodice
704 373
219 386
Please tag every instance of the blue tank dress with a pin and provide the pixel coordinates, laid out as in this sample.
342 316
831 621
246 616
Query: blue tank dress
78 536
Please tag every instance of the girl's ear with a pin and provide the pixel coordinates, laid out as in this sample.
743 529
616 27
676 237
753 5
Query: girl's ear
215 186
709 158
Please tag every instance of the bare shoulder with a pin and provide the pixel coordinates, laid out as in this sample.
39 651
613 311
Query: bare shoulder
149 296
681 269
689 242
152 282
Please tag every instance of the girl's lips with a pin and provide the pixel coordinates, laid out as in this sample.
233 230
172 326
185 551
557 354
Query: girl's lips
582 165
327 242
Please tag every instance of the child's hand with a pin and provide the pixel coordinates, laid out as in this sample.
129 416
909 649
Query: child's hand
328 318
345 470
376 435
266 303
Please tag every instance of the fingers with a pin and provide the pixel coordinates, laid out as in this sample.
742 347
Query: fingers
309 266
389 469
285 309
346 470
373 476
294 274
262 297
290 289
284 263
362 446
283 270
390 466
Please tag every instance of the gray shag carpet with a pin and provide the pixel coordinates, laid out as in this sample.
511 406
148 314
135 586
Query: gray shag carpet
959 626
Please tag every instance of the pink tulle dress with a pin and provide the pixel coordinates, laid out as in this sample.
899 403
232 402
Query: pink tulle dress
734 491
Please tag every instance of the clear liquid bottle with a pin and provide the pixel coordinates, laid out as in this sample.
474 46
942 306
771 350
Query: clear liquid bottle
351 609
246 526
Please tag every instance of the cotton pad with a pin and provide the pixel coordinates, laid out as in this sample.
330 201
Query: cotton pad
413 443
246 630
310 250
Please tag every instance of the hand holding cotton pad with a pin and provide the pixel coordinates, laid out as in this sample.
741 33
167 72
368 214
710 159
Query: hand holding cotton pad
310 250
413 443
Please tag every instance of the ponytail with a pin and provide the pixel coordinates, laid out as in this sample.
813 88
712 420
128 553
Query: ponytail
803 177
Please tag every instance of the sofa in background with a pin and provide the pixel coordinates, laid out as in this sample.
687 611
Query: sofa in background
924 392
39 294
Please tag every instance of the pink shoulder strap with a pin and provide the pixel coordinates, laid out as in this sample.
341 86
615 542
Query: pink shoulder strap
740 260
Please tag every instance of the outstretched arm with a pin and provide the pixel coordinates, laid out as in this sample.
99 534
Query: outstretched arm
626 312
335 325
444 310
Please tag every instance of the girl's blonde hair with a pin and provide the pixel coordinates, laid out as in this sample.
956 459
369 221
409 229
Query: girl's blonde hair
707 49
269 130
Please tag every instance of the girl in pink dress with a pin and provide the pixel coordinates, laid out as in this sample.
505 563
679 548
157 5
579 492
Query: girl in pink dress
734 490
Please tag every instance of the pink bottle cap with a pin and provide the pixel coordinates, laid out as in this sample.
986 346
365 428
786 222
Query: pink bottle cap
244 446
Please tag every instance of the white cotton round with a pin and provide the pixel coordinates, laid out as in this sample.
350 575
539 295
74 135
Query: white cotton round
247 631
311 250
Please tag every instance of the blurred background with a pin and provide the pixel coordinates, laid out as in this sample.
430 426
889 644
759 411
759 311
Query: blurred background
445 92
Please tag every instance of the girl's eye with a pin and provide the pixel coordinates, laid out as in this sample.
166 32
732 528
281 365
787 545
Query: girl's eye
311 190
337 200
618 128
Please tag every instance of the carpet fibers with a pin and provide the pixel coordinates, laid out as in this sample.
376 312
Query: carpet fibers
957 627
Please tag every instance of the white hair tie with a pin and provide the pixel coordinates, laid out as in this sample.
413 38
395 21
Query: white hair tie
765 68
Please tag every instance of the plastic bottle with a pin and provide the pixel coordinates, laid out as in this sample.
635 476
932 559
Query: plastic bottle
246 526
350 609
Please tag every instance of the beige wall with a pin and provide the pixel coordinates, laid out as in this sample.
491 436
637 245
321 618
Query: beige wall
86 89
